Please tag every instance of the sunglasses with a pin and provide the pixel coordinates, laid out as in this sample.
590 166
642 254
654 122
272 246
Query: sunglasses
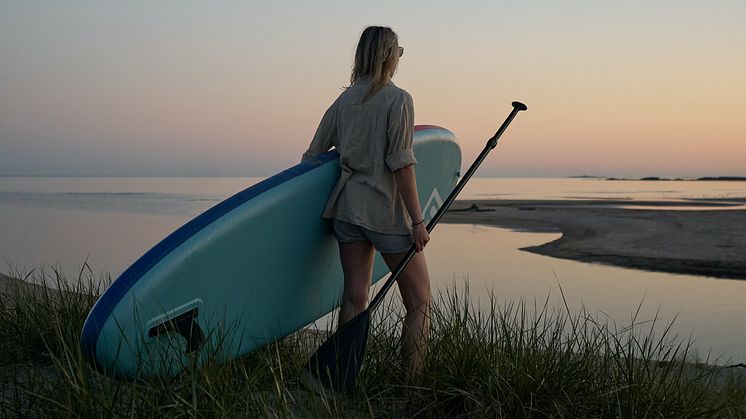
401 51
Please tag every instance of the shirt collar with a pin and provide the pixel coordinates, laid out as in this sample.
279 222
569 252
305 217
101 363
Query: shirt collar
366 80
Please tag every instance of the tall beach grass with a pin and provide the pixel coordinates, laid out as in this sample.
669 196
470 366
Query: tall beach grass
519 359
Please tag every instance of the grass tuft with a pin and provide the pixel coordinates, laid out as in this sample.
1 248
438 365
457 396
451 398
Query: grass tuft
517 359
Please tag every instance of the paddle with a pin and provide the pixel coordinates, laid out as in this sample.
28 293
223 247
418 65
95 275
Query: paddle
337 362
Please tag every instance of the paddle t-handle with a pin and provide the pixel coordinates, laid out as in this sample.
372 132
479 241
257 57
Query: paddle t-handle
491 144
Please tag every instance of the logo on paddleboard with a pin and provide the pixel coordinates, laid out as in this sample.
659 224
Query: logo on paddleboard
433 205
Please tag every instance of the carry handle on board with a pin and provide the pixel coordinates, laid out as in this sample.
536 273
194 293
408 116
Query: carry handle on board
337 362
185 324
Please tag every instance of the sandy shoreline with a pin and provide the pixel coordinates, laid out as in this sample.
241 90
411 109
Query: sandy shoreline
710 242
7 284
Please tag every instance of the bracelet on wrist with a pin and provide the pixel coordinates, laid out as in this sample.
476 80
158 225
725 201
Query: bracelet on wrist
418 223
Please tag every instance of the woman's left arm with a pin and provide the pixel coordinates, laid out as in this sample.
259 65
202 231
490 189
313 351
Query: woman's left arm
326 135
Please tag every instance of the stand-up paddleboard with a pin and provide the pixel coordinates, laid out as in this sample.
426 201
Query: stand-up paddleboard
248 271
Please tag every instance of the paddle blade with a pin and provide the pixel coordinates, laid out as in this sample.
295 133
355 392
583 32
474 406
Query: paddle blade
337 362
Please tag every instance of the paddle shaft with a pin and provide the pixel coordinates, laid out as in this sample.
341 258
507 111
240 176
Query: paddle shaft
491 143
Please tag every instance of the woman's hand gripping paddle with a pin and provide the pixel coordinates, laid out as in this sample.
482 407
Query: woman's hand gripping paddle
337 362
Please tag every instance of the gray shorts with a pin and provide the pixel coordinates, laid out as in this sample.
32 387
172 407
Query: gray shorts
384 243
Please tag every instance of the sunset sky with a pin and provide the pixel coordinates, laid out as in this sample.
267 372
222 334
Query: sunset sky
231 88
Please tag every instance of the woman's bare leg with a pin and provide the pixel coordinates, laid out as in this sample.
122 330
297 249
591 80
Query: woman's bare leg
414 285
357 266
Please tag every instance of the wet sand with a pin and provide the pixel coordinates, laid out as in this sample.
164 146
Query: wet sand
709 241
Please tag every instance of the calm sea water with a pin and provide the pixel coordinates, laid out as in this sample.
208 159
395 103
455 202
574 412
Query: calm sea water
110 222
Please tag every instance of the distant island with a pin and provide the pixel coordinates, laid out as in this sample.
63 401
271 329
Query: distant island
728 178
706 178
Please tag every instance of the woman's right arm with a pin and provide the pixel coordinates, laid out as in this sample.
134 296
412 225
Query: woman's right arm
400 159
407 185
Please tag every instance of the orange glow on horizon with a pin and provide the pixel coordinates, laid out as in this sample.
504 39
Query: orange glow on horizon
617 90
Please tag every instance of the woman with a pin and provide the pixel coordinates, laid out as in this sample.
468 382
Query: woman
375 204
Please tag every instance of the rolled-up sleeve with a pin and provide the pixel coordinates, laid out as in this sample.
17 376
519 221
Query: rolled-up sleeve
326 134
400 132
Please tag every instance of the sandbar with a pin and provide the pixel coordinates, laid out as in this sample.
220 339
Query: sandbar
709 240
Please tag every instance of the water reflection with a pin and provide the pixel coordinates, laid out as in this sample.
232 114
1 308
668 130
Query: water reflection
112 221
711 310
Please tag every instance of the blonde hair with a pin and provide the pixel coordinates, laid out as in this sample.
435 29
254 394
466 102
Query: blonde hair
376 57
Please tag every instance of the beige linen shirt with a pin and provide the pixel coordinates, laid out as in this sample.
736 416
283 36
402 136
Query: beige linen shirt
373 139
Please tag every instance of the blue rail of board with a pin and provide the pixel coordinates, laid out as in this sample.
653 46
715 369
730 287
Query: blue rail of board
111 297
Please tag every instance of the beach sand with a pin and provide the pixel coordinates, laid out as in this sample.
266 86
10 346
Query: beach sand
7 284
710 242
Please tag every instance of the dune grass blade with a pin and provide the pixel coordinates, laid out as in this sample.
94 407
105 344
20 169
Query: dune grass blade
485 359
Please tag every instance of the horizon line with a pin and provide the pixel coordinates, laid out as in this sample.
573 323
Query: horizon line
589 177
